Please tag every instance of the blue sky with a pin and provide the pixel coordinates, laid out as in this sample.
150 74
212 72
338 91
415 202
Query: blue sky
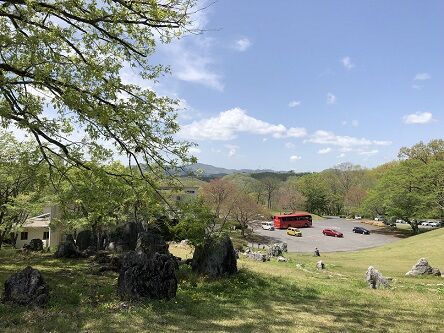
305 85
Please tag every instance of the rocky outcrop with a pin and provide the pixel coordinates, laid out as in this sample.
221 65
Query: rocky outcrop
36 245
124 238
68 249
277 249
375 279
215 258
149 242
257 255
26 288
320 265
422 267
144 277
85 239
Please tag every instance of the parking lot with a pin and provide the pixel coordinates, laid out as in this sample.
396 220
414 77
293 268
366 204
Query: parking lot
313 237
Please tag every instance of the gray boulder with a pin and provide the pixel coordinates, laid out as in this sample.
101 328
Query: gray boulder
85 239
375 279
320 265
36 245
281 259
257 256
143 277
68 249
422 267
125 236
26 288
215 258
150 243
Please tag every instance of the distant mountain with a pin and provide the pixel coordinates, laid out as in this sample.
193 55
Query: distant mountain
207 170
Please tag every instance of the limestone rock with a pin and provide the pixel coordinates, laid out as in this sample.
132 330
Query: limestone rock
143 277
36 245
124 238
150 242
26 288
68 249
320 265
375 279
85 239
422 267
215 258
281 259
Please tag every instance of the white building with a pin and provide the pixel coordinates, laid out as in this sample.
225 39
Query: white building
39 227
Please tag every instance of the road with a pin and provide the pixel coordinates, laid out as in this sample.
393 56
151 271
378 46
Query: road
313 237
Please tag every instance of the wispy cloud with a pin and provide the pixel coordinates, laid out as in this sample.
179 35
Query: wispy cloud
232 150
418 118
228 124
294 104
422 77
347 63
329 138
290 145
331 99
242 44
194 150
368 152
324 150
295 157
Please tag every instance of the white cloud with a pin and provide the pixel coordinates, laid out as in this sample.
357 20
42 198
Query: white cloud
355 123
347 63
295 157
324 150
242 44
368 152
331 99
294 104
232 150
329 138
228 124
342 155
194 150
418 118
289 145
422 77
416 86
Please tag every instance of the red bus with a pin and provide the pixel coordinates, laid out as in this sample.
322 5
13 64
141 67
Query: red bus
292 220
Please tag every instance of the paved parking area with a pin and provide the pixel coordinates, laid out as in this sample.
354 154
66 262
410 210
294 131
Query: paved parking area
313 237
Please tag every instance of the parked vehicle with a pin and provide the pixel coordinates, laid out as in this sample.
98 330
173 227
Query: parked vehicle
379 218
294 232
297 220
358 217
267 226
332 232
425 224
435 224
400 221
361 230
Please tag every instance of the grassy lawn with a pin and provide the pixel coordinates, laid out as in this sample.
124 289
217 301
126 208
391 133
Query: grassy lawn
263 297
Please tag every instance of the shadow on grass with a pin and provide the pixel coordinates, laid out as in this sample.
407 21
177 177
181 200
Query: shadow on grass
245 302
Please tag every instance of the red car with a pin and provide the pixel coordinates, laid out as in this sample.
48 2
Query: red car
332 232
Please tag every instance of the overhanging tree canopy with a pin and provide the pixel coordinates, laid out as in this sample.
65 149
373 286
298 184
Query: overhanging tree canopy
60 66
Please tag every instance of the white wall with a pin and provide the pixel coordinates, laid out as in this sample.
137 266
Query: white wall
54 237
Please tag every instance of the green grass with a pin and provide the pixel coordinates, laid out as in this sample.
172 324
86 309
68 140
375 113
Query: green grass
262 297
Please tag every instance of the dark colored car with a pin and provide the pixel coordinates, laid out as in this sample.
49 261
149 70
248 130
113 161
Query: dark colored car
332 232
361 230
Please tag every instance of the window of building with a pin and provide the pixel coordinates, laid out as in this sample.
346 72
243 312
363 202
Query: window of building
24 235
45 234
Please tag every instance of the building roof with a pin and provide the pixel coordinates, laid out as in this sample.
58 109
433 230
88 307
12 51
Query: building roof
40 221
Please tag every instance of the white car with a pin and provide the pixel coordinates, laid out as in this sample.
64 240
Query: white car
358 217
435 224
267 225
425 224
379 218
401 221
